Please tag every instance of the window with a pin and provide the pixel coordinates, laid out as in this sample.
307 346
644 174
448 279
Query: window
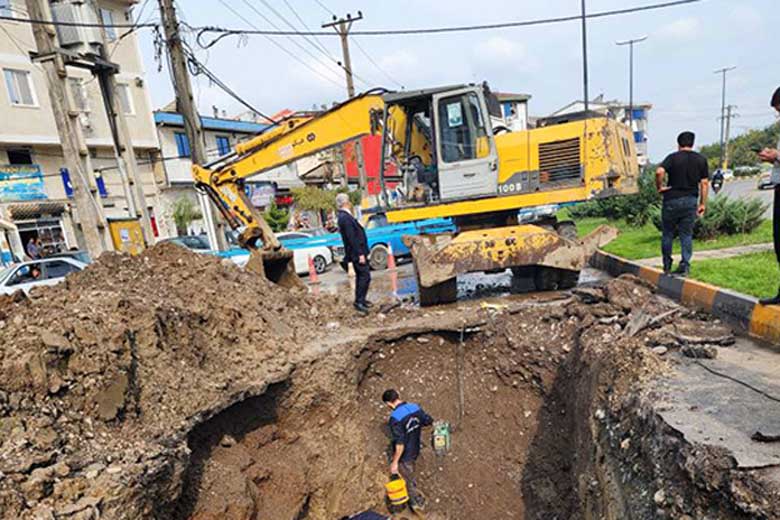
125 98
58 269
182 144
223 145
79 93
107 16
463 134
20 89
20 156
6 9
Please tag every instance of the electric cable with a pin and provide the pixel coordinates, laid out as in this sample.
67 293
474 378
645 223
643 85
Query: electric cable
293 40
375 64
277 44
461 28
33 21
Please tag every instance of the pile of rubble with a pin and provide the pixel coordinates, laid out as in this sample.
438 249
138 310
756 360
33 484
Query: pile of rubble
101 375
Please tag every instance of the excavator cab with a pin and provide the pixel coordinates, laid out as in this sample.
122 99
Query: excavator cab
443 142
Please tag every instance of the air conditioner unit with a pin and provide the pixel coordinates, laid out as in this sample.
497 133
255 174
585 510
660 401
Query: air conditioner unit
80 39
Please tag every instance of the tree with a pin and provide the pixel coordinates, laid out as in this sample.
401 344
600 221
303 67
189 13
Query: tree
740 147
276 217
185 212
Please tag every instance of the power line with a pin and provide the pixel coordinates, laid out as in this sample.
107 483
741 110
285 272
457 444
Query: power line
306 38
277 44
196 67
295 42
326 8
33 21
375 64
461 28
303 23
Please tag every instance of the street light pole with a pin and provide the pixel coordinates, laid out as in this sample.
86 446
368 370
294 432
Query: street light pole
723 72
630 44
585 56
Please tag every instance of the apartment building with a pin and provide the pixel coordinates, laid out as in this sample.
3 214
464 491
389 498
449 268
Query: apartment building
637 114
221 135
36 195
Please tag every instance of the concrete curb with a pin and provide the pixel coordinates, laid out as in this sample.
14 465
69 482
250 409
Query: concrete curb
733 308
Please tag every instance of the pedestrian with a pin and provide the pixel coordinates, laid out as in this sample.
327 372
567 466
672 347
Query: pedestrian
366 515
32 249
355 251
406 423
684 199
772 155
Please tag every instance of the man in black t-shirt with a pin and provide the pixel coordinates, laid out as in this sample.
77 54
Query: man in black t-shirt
685 198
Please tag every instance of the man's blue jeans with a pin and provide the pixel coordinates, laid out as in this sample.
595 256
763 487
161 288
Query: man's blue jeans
678 217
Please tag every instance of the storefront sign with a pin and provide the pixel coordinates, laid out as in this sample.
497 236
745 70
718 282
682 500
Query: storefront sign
20 182
261 193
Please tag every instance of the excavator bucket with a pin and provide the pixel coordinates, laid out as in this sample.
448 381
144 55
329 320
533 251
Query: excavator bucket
276 266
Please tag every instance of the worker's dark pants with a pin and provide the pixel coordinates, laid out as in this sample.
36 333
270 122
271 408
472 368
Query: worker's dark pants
678 217
407 471
776 219
362 281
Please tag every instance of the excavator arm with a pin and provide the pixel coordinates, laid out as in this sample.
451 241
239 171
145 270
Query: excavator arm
290 140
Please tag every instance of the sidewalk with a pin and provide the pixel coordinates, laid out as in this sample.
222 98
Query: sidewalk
728 252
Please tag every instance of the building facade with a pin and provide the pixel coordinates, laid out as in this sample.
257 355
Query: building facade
622 112
36 195
174 165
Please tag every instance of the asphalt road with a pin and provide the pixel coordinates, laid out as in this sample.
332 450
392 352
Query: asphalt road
747 188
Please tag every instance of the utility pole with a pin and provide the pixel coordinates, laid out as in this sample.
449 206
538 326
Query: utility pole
723 72
729 115
123 145
90 218
585 56
185 105
630 44
342 26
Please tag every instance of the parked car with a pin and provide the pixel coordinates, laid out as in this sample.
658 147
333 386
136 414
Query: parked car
383 236
76 254
199 243
302 245
47 271
765 181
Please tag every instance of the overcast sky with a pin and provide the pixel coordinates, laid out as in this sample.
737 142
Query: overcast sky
673 68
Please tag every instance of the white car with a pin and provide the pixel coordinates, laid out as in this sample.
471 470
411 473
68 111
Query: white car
303 245
47 271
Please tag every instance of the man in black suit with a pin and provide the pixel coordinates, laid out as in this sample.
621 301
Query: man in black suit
355 250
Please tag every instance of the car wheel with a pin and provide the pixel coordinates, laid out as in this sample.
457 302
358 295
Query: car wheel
378 256
320 264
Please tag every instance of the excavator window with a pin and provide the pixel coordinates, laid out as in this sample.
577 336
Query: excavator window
462 129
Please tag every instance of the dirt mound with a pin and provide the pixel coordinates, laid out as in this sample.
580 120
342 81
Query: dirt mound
102 373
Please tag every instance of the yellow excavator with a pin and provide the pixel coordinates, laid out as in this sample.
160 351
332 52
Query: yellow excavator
455 160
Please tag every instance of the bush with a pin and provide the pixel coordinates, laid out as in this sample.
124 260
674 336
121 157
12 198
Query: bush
637 209
316 199
725 216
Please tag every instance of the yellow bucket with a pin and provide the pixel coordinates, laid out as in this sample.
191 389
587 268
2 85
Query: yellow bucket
396 491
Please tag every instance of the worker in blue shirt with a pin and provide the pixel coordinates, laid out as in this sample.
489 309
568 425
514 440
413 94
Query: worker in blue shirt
406 423
367 515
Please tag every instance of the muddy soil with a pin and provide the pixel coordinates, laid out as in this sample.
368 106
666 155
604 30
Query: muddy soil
554 411
173 386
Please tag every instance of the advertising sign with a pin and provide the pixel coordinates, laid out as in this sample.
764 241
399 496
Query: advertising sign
21 182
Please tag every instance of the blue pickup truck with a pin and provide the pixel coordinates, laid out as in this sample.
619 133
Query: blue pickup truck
381 237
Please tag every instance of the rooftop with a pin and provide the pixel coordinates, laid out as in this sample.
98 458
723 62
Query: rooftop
210 123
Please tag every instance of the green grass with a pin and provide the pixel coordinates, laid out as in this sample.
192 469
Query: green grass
756 274
634 243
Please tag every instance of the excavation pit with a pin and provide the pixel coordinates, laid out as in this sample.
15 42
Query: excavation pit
547 407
